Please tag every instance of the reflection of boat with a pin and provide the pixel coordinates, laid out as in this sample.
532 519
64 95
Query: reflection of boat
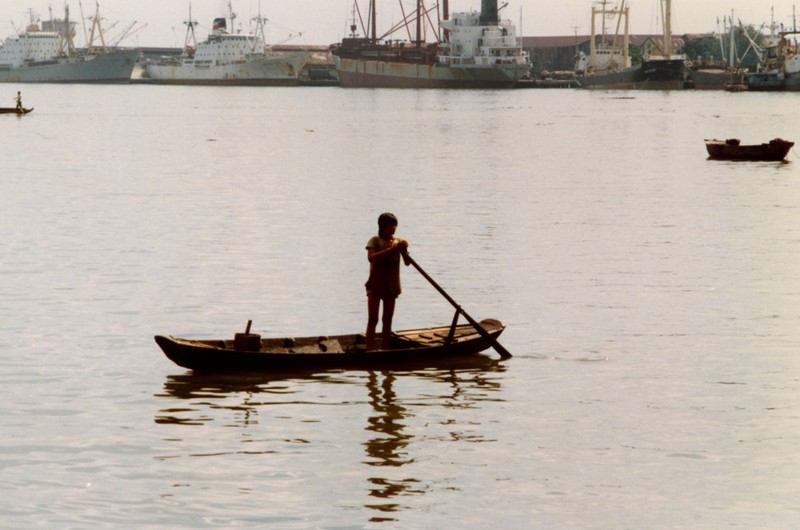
478 50
249 351
15 110
47 55
400 411
194 384
732 149
227 59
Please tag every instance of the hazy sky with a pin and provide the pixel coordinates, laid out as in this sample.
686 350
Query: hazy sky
326 21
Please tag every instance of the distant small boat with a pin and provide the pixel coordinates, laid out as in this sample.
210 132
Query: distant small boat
15 110
732 149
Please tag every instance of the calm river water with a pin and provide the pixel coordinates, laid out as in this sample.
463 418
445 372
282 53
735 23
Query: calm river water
652 299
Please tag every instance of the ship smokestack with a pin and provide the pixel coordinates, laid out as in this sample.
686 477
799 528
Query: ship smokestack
220 24
489 13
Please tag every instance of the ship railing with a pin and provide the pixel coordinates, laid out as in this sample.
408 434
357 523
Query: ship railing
501 59
483 60
456 59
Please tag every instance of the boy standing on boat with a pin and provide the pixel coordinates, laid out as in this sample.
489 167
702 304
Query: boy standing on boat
383 285
18 99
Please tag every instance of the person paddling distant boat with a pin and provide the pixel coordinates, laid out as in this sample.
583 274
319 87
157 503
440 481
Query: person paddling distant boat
383 252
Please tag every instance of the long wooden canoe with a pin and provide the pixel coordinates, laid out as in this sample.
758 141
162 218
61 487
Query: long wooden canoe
337 351
14 110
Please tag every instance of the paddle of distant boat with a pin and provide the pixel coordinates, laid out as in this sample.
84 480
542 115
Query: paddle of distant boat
732 149
14 110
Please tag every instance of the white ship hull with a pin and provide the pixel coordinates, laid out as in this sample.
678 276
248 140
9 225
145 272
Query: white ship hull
278 69
104 67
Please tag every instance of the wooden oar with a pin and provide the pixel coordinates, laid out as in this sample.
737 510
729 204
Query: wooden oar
504 353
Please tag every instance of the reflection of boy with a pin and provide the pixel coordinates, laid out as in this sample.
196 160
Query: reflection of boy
383 253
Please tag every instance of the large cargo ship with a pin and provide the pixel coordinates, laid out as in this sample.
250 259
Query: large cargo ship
47 55
227 59
475 50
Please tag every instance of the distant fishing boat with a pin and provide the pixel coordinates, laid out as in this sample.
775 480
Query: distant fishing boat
227 59
475 50
726 75
732 149
779 69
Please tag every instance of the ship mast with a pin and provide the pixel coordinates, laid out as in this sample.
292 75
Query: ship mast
667 17
419 22
621 12
260 41
97 23
732 45
190 42
353 26
68 32
373 15
232 16
445 16
419 15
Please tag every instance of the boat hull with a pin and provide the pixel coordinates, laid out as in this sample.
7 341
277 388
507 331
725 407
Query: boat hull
279 70
791 82
765 82
775 150
621 79
715 79
106 67
664 74
14 110
650 75
344 351
365 73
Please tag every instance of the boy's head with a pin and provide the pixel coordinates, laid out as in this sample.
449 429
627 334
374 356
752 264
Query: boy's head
387 219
